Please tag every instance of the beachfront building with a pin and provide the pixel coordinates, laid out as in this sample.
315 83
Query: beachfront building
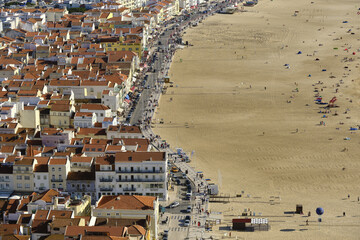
134 207
132 173
124 132
141 173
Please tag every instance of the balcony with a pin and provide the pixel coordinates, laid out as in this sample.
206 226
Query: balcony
105 180
141 171
106 189
139 180
42 188
129 189
57 180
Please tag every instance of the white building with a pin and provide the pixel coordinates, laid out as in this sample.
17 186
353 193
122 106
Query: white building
84 119
124 132
41 174
111 99
133 173
100 110
58 171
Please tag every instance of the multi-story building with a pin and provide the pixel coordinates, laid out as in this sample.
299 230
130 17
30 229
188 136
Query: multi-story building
6 178
41 174
84 119
58 171
100 110
141 173
23 174
52 137
79 184
134 207
132 173
124 132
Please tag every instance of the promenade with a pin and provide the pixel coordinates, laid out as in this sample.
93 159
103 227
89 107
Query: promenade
166 45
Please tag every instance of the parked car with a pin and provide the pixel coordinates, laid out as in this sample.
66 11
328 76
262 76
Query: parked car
174 169
174 205
186 223
188 209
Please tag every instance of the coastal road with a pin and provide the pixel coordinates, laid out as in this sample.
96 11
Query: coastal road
153 78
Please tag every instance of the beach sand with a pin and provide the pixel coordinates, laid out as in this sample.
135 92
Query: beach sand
253 123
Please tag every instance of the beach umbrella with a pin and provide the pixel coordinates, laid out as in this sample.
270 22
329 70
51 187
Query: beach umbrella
345 21
324 70
354 53
319 211
299 52
309 75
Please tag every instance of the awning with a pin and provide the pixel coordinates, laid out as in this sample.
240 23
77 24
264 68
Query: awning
127 100
132 89
127 97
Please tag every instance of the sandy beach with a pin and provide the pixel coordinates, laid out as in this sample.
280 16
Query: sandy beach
253 122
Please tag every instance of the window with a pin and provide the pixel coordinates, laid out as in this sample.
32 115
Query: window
27 177
130 49
19 185
101 114
19 177
108 214
27 168
53 169
137 49
53 186
27 185
45 177
59 168
38 177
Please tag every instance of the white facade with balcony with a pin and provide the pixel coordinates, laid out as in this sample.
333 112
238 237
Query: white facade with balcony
41 181
146 178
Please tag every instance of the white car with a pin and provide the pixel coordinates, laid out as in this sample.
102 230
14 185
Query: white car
186 223
188 210
174 204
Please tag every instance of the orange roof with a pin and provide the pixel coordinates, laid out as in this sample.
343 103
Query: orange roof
126 202
58 161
